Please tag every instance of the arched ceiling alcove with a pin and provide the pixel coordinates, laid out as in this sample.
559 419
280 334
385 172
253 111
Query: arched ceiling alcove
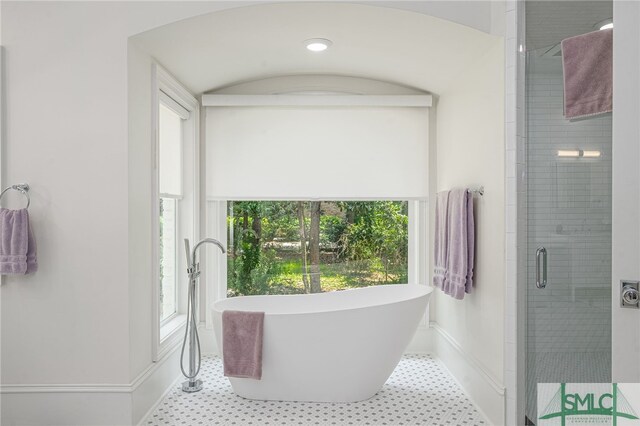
216 50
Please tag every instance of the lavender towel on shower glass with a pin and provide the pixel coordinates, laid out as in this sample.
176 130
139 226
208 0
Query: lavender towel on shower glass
242 343
17 244
440 252
587 62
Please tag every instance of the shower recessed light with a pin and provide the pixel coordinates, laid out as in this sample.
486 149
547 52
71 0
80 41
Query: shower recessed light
578 153
604 25
317 44
569 153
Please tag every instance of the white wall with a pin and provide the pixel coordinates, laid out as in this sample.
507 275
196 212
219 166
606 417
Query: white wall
73 306
470 152
81 323
82 319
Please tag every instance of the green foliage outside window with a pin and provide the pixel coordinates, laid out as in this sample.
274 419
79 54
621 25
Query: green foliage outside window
292 247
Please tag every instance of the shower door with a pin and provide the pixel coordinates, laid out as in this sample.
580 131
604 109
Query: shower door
568 236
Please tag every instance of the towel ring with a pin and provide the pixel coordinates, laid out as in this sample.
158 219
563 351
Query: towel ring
21 187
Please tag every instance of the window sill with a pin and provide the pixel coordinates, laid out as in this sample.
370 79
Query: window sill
171 328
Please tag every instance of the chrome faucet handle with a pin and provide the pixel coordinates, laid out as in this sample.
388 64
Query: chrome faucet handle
193 271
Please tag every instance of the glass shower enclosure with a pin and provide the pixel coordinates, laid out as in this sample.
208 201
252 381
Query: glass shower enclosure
568 235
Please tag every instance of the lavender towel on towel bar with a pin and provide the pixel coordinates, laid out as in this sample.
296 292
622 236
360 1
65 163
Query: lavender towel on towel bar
242 333
458 244
440 251
17 244
454 246
587 62
471 242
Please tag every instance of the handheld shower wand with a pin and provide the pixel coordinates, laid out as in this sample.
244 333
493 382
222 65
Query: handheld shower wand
191 330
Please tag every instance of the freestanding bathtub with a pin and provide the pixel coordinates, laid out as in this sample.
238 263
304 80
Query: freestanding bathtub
329 347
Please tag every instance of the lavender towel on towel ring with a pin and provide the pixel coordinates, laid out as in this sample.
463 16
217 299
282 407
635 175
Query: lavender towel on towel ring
17 243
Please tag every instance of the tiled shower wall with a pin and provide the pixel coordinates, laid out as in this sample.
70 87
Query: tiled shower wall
569 213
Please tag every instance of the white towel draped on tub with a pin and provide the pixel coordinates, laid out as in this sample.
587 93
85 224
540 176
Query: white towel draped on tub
454 244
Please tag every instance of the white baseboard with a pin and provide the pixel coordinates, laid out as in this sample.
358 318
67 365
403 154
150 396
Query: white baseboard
486 392
56 408
155 405
152 385
91 404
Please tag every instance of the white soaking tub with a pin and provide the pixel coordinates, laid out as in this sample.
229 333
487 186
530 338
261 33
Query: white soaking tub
329 347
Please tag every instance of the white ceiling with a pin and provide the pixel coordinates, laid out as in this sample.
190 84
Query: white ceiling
550 22
215 50
471 13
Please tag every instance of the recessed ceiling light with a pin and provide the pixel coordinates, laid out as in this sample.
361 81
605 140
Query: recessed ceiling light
317 44
604 25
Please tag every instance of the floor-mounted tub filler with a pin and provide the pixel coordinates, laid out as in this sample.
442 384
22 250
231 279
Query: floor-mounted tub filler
329 347
192 384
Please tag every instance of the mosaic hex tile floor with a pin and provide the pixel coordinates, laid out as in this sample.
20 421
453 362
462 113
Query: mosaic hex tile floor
419 392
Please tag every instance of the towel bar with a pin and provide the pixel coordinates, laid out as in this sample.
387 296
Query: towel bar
479 190
21 187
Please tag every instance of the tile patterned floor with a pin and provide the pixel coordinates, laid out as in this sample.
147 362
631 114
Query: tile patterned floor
419 392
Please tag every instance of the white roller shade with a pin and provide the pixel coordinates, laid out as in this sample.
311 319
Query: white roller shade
316 152
170 152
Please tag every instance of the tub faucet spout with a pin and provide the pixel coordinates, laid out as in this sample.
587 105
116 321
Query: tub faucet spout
206 240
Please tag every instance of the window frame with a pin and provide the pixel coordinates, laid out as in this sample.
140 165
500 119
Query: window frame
216 225
167 90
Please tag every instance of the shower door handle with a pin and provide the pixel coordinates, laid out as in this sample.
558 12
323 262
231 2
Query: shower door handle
541 277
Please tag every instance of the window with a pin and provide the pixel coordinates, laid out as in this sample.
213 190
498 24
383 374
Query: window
175 205
170 176
263 158
293 247
168 254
